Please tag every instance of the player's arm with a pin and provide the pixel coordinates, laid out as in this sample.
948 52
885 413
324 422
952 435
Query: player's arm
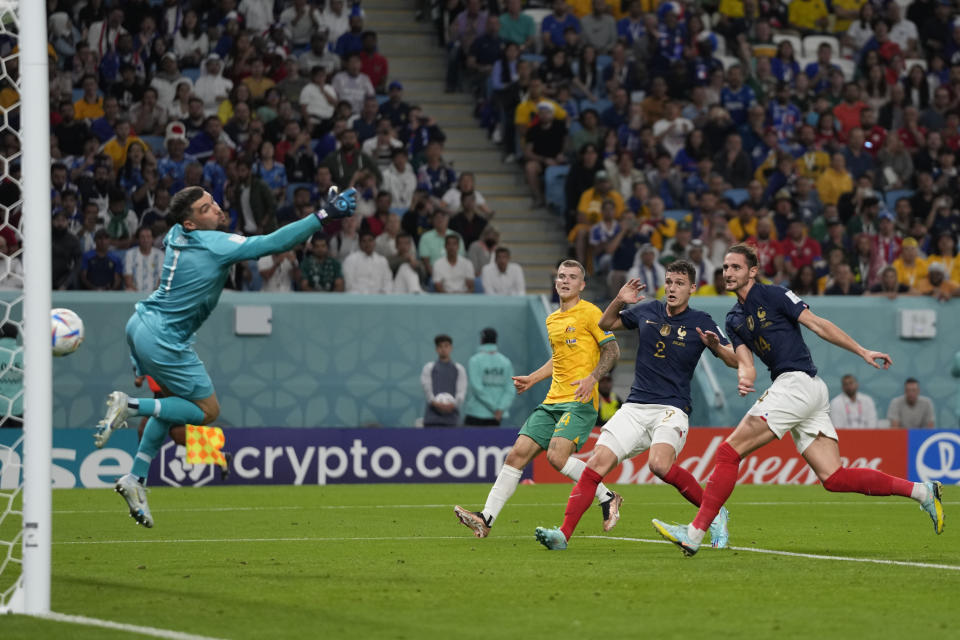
835 335
522 383
746 372
609 354
723 351
630 293
285 238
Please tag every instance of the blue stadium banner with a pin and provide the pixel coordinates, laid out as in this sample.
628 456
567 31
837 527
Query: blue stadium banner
934 454
277 455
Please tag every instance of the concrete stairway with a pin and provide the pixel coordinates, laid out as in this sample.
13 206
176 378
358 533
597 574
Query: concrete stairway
535 237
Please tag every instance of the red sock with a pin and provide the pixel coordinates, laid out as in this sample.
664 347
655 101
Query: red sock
869 482
719 487
685 483
580 499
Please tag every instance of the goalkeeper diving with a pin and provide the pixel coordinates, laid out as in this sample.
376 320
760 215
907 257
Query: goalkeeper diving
160 332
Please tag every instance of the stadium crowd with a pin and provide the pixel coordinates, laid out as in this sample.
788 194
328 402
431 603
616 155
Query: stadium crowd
823 133
266 104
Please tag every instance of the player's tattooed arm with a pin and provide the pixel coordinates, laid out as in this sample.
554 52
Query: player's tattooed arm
609 354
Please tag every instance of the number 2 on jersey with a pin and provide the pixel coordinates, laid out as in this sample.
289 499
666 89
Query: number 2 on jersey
660 347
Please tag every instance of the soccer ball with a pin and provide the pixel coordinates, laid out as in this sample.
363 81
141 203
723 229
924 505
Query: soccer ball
66 331
445 398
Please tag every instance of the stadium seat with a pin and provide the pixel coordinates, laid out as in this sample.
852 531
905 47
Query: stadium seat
155 143
736 196
192 74
891 197
812 43
293 186
382 98
77 94
599 106
794 40
538 15
535 58
555 180
849 68
676 214
727 61
478 285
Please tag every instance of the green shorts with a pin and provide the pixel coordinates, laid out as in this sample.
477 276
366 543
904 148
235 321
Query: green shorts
570 420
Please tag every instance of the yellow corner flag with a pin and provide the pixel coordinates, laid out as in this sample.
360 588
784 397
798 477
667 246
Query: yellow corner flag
204 445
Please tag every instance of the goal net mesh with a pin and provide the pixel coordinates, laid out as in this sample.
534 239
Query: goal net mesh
11 308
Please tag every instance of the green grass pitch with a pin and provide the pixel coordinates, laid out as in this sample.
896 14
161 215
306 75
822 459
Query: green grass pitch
391 561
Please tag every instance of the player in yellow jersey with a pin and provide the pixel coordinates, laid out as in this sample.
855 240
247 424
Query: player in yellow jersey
582 354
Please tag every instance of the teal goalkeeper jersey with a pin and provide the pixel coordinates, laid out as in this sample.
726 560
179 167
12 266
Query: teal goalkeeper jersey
195 268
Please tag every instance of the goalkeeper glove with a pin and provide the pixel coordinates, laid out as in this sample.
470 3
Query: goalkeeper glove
338 205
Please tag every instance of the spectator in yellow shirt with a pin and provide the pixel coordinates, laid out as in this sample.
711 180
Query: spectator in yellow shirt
808 15
117 146
845 12
256 82
911 268
946 256
835 181
90 105
937 285
592 199
744 225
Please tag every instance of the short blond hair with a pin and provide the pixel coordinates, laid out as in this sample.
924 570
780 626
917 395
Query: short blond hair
575 265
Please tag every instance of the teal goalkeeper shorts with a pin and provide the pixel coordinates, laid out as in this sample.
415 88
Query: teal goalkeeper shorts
179 370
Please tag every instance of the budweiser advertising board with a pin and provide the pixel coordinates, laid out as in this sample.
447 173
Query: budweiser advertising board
776 463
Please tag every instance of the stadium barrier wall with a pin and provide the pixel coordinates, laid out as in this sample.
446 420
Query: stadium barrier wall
351 360
296 456
331 360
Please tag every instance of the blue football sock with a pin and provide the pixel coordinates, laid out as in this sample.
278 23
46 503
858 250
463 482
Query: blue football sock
173 410
153 436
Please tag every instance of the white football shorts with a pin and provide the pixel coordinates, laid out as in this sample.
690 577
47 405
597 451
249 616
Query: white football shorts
797 403
634 428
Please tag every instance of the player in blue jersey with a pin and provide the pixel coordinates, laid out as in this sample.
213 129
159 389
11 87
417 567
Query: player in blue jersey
766 321
160 333
671 338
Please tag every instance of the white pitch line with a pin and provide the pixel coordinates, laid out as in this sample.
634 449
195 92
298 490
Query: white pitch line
122 626
794 554
220 540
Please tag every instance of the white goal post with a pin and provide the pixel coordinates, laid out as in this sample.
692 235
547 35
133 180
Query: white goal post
28 19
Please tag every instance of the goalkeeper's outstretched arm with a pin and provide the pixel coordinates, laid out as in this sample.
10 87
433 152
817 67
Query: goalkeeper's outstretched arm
338 205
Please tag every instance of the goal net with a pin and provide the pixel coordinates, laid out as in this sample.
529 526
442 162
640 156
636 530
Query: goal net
25 279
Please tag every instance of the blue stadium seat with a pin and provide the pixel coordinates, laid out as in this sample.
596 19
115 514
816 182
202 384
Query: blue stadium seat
192 74
554 181
599 106
736 196
478 285
891 197
155 143
293 186
382 98
535 58
676 214
77 94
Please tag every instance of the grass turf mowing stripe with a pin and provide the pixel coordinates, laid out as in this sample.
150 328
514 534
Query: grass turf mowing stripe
122 626
776 552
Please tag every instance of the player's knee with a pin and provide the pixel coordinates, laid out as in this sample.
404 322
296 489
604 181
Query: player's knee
211 413
557 459
660 466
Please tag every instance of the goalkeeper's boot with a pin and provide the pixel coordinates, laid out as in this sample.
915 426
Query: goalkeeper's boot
474 520
611 510
115 418
719 535
933 505
677 534
552 539
136 496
